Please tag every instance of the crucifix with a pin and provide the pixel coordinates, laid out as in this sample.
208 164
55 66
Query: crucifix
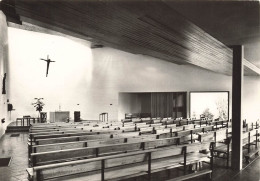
48 63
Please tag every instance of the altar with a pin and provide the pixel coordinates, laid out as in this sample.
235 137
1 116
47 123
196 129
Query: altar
59 116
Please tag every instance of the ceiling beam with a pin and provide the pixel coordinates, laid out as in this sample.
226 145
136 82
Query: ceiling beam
251 67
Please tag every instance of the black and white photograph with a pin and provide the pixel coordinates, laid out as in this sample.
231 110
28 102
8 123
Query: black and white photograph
130 90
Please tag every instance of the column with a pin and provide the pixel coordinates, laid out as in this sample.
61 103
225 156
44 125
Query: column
237 87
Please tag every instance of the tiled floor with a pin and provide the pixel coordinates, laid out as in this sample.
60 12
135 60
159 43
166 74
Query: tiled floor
15 147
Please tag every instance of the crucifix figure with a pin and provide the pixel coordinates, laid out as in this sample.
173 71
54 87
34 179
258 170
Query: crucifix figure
48 64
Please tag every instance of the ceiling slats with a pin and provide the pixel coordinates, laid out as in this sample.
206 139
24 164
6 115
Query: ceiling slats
152 29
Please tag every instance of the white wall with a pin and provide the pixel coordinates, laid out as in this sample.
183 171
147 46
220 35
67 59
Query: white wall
68 76
251 98
94 77
128 103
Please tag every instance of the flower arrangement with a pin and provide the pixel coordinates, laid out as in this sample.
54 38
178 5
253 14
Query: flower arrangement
38 104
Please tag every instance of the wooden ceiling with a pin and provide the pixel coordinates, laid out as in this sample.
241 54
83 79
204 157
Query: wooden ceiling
231 22
141 27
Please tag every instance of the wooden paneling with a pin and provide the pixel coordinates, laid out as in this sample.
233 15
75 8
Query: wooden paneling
139 27
168 104
231 22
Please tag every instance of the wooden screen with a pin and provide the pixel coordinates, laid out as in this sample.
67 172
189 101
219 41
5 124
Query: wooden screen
169 104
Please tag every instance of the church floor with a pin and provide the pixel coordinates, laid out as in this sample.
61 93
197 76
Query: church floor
16 147
250 172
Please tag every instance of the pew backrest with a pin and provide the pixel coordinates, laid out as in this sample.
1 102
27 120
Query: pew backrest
87 152
101 164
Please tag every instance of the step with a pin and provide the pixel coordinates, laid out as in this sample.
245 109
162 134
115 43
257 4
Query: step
17 129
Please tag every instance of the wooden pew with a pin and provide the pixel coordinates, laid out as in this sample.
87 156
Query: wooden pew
78 139
89 143
186 122
185 136
50 126
146 130
87 152
123 166
146 120
163 120
150 128
251 139
216 135
35 137
202 122
55 131
154 121
219 124
170 126
136 120
225 149
222 143
128 124
170 121
83 138
129 129
188 134
126 120
189 126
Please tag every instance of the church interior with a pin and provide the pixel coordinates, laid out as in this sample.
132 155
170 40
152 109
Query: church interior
102 90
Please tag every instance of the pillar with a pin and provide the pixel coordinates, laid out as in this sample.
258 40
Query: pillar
237 87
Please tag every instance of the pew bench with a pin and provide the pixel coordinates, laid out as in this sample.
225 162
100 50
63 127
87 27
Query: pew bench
201 122
251 139
167 133
123 166
76 138
225 149
49 157
186 122
52 144
67 134
222 142
126 120
152 129
89 143
170 126
154 121
253 152
219 124
81 138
